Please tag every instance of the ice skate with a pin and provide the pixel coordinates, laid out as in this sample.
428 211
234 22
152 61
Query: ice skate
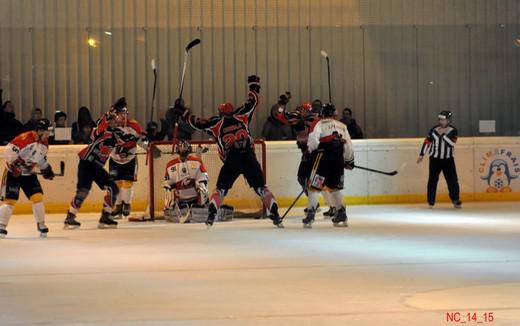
277 221
126 209
457 204
43 229
309 219
340 220
3 233
70 222
117 212
330 213
210 220
106 222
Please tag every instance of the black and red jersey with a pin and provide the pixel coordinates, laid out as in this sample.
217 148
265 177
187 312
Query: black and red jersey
230 131
103 140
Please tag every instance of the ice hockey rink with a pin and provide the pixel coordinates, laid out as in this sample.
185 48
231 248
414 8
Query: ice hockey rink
394 265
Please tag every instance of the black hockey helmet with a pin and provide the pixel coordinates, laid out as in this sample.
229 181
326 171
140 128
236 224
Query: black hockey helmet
445 115
183 148
43 124
328 110
120 106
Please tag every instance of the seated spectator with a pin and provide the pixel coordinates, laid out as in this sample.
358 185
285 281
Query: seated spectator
353 128
9 126
277 127
60 121
36 115
153 133
82 128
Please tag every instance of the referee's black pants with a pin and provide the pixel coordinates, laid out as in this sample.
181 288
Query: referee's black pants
447 167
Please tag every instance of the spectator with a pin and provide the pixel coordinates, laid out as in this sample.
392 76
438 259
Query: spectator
353 128
82 128
9 126
60 121
316 106
36 115
184 131
153 133
276 127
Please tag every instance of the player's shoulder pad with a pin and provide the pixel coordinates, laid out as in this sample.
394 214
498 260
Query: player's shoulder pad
25 139
135 125
173 162
193 157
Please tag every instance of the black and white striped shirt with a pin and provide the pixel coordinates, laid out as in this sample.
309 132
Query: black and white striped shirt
440 146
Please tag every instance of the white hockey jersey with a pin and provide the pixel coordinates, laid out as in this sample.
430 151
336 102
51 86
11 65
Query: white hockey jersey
131 135
27 151
325 130
185 176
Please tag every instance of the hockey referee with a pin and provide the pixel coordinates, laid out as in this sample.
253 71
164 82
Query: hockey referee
440 146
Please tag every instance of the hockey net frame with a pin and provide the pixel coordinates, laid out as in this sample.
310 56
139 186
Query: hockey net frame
256 211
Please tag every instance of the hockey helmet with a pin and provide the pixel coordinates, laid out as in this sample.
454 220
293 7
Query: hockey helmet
225 108
306 107
328 110
43 124
183 148
120 106
445 115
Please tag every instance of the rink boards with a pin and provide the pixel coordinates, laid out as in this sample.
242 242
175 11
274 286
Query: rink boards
488 169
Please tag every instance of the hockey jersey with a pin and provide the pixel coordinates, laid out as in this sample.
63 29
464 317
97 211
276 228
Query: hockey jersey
230 131
185 176
325 132
104 139
131 135
27 151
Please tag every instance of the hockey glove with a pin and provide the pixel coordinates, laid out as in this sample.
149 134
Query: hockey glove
48 173
349 165
253 82
16 169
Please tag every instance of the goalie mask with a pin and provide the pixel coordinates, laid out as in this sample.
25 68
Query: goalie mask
183 148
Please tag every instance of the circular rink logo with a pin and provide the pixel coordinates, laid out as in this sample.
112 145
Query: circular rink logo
499 167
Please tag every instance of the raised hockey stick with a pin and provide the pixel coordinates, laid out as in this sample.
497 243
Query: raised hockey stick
326 56
392 173
61 173
154 68
190 45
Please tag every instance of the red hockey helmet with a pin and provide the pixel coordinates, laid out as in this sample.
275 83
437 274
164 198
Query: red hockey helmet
225 108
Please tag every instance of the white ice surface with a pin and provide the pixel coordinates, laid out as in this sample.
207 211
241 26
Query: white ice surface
394 265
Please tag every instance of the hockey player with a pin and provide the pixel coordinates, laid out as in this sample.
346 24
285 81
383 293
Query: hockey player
440 146
236 149
123 164
23 153
104 139
185 182
330 147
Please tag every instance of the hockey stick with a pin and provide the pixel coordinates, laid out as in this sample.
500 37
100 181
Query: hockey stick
62 170
293 203
190 45
154 68
326 56
392 173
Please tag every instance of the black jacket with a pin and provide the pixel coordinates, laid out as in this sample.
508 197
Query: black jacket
9 127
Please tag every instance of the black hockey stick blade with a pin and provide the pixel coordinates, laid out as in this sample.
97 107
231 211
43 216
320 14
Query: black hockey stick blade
391 173
62 168
193 43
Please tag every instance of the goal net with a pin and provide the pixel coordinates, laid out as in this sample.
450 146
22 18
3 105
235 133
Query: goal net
241 197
